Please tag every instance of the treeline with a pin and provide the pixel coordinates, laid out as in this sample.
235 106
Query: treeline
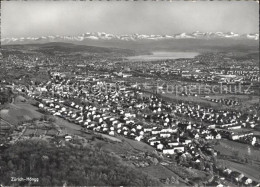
68 165
6 96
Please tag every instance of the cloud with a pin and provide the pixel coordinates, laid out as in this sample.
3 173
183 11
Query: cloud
37 18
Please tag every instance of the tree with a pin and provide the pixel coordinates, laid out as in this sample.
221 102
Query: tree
71 165
10 164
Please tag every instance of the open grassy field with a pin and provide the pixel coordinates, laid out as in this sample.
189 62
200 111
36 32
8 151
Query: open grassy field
112 138
118 148
162 172
15 113
189 98
158 171
70 127
227 147
141 146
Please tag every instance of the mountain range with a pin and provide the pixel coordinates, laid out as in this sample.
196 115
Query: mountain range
127 37
182 41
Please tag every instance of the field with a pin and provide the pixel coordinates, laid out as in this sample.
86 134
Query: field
189 99
158 171
141 146
70 128
226 147
109 137
162 172
240 151
118 148
16 113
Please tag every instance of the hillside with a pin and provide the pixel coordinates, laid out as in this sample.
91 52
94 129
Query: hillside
60 47
71 165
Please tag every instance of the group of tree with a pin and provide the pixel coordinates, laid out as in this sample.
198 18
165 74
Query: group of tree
68 165
6 96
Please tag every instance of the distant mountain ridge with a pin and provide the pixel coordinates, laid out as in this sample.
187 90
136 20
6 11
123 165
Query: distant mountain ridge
128 37
53 48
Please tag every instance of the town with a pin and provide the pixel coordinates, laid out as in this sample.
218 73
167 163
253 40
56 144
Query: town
129 93
105 99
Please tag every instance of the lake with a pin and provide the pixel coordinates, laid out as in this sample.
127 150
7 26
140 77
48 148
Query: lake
163 56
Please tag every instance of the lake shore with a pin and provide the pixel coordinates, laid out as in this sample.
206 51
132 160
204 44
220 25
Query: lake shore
161 55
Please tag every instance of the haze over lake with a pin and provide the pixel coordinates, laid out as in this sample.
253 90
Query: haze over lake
162 55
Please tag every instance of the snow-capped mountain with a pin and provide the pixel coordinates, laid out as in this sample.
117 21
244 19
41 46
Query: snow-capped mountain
128 37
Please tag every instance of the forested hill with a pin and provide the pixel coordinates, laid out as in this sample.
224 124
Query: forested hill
53 48
68 165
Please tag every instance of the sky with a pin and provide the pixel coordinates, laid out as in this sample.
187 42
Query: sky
44 18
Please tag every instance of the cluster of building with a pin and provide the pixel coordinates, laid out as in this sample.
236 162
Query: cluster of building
89 92
237 177
228 102
121 113
218 119
127 113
